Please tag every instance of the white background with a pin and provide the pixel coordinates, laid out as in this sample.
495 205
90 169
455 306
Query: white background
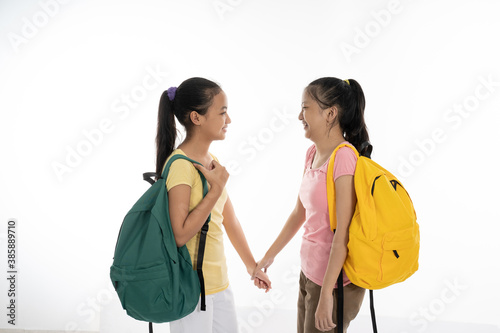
71 70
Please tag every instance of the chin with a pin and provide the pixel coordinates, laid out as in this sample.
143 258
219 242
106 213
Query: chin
220 137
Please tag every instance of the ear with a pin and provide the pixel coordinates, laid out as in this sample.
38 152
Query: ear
195 118
332 114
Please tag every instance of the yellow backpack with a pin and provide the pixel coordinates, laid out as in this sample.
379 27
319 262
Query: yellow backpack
384 238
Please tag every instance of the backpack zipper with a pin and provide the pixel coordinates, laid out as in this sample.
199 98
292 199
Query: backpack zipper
373 185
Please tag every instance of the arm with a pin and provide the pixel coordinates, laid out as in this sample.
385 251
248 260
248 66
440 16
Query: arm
238 240
345 202
185 225
292 225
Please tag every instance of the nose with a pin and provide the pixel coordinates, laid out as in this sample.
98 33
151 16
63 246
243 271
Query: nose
228 120
301 115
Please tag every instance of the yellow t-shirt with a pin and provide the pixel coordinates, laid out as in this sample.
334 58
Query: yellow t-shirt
214 261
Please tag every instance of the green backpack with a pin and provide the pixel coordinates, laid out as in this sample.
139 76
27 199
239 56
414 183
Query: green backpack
154 279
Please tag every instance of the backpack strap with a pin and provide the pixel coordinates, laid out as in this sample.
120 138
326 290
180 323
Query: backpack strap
201 249
366 147
340 302
204 228
330 186
148 176
372 312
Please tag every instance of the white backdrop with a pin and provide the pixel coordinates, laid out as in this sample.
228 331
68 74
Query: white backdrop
79 88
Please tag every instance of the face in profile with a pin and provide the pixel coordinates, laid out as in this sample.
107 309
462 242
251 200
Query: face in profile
216 120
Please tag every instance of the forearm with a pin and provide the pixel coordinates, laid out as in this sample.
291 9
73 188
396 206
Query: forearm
291 227
338 255
238 240
197 217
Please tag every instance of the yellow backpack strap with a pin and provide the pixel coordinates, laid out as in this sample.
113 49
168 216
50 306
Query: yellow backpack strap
330 186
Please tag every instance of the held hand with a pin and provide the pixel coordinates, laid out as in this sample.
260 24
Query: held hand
262 281
216 175
264 263
323 316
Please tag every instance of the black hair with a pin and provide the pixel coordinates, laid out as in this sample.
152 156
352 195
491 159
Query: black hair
349 98
194 94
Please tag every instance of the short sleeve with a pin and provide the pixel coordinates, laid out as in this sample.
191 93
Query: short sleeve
309 156
345 163
181 172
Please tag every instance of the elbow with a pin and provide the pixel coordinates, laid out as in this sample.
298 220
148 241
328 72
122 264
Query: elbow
180 240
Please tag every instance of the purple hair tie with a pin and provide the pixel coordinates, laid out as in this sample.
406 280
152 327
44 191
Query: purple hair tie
171 93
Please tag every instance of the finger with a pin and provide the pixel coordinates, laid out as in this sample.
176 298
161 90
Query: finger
201 168
324 326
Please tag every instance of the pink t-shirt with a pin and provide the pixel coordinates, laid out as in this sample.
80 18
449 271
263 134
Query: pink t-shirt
317 238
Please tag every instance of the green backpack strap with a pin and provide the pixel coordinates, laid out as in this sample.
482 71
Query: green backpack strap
204 229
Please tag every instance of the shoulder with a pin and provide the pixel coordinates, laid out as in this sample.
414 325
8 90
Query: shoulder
345 162
180 163
346 153
181 172
310 155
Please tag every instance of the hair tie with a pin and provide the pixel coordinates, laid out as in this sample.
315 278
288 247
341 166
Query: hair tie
346 80
171 93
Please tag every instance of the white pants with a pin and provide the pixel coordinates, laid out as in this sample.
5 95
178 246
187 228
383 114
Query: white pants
220 316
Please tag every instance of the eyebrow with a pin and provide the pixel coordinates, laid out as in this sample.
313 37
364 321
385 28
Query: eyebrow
224 107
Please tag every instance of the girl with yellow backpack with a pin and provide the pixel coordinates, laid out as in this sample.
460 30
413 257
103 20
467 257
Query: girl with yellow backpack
333 117
332 114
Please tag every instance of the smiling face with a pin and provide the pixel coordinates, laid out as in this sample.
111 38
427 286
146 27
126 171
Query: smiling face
214 123
313 118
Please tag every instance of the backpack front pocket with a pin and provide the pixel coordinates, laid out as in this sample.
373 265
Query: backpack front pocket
399 259
142 290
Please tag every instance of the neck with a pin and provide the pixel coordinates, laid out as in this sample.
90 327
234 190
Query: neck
196 147
326 144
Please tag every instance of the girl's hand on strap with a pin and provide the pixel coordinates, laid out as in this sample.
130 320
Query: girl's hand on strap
216 175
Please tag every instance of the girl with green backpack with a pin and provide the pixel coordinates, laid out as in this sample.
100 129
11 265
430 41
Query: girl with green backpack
200 105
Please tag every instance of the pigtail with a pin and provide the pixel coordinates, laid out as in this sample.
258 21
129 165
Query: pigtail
166 132
353 120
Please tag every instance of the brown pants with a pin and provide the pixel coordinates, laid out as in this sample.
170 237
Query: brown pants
309 293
